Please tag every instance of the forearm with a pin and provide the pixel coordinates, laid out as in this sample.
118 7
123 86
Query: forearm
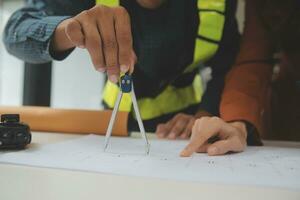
247 84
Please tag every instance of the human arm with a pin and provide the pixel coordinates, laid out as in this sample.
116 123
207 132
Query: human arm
243 96
247 84
46 30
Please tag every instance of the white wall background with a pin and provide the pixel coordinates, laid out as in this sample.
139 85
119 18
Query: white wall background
75 84
11 69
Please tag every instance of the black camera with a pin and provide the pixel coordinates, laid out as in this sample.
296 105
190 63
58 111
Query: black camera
13 134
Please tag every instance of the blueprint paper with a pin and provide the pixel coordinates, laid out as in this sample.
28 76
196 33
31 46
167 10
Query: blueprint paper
257 166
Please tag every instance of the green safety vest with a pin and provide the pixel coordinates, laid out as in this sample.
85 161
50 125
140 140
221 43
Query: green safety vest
172 99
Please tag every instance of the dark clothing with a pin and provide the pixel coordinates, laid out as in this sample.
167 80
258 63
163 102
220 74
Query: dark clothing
164 41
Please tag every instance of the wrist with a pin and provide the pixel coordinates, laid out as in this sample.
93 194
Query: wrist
60 41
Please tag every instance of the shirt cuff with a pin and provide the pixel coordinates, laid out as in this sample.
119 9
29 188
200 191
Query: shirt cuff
241 107
44 33
54 55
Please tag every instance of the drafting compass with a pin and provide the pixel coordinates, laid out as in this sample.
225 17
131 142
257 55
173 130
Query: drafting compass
126 86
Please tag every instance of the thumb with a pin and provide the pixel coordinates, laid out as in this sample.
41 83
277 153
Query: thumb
233 143
219 148
74 33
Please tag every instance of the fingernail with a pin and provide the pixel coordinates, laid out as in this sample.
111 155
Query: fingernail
81 46
113 78
101 69
162 134
183 136
213 150
184 153
124 68
172 136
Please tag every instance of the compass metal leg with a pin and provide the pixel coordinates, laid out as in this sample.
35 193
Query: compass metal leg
112 119
140 122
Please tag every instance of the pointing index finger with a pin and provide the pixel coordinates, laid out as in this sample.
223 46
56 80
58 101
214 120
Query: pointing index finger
124 38
192 146
202 131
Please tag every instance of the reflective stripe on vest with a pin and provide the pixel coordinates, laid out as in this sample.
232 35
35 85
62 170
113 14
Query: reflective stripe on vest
210 30
108 2
167 101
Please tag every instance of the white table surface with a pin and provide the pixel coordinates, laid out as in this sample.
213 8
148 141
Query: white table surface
22 183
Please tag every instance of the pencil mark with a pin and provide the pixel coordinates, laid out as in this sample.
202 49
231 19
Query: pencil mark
211 162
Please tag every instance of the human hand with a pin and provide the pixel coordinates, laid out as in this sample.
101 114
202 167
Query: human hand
180 126
106 34
232 137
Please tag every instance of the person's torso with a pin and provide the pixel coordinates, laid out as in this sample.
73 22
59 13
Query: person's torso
164 41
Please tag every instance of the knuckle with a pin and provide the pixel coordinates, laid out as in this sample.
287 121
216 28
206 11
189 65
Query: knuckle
169 124
198 122
192 119
112 66
102 11
178 125
93 43
160 126
176 130
204 119
97 10
101 8
124 59
125 37
176 117
201 121
180 115
85 14
98 7
106 11
112 70
93 47
120 11
72 26
215 119
85 17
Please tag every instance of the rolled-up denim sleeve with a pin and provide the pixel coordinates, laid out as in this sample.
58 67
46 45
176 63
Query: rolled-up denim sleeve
29 30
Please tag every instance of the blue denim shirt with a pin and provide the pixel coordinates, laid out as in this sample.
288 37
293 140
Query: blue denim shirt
29 30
